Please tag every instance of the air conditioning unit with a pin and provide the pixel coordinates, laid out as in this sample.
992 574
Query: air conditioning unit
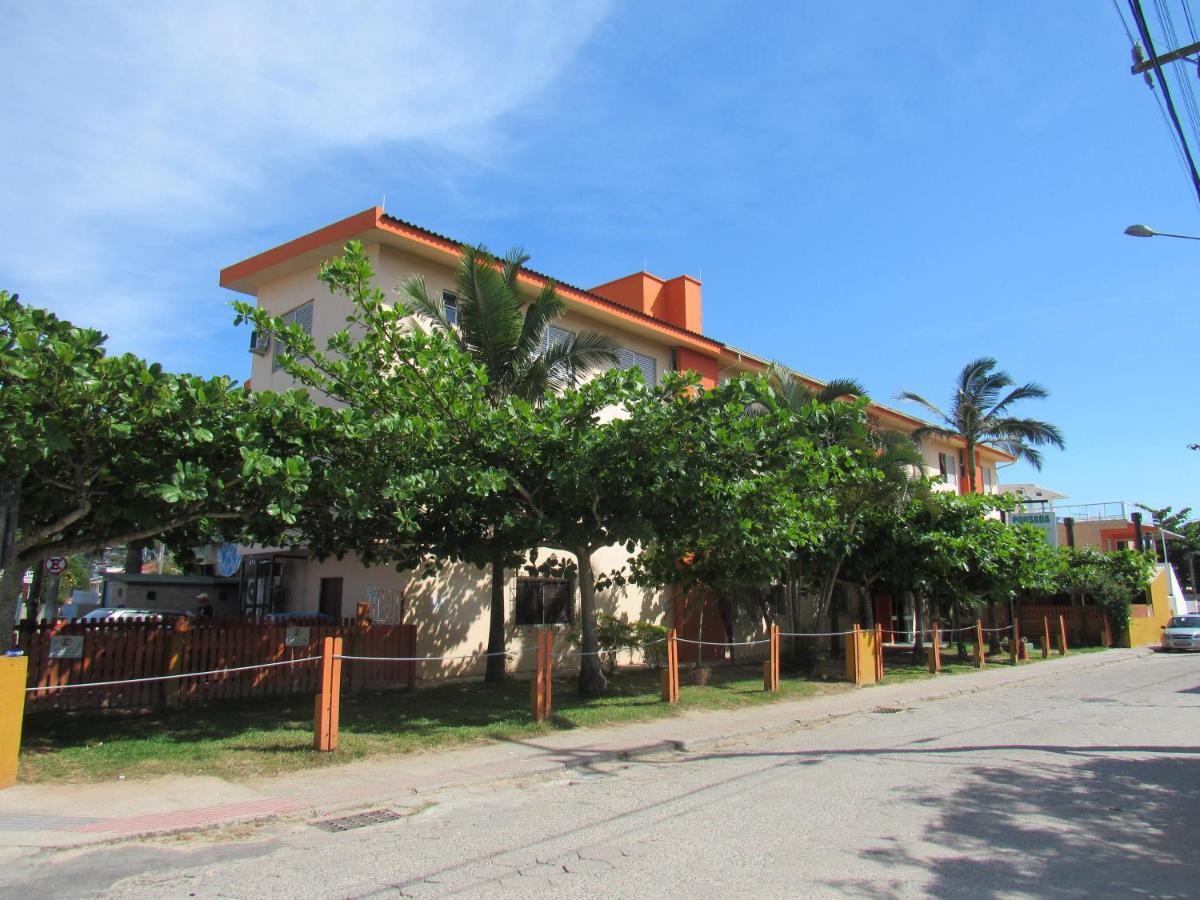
260 342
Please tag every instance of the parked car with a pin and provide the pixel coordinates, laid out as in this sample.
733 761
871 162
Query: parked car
1182 633
123 614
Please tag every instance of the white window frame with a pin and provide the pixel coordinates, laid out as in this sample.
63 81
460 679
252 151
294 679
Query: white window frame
450 307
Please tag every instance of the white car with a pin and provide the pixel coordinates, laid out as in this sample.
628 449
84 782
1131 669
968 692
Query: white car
1182 633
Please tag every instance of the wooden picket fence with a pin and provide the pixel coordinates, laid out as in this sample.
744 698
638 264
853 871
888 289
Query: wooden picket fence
131 650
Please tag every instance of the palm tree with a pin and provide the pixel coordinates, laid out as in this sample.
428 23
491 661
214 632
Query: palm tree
979 414
507 334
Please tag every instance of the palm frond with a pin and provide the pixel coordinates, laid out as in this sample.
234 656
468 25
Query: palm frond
416 294
1027 431
489 314
513 261
545 308
839 388
1030 391
921 401
581 354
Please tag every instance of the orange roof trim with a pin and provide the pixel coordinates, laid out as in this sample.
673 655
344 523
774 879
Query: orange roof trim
375 219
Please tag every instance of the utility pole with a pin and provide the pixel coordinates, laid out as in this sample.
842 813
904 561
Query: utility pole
1147 59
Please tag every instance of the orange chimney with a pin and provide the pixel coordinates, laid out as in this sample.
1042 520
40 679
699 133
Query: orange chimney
676 301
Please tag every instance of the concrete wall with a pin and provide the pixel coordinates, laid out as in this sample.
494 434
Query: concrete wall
1149 619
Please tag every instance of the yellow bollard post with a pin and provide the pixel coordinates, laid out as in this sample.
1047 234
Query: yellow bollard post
1014 649
878 652
13 675
1062 636
175 662
935 650
980 650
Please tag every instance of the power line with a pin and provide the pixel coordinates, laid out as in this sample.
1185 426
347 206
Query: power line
1139 18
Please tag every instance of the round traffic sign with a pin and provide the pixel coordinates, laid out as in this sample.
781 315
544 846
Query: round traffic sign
56 565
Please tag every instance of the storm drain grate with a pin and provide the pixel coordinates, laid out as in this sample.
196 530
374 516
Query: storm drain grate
358 820
890 709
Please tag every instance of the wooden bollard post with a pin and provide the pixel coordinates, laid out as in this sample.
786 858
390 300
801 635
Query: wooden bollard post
980 650
935 650
1014 641
175 662
1045 637
878 652
771 663
14 671
543 676
1062 636
853 662
327 703
670 675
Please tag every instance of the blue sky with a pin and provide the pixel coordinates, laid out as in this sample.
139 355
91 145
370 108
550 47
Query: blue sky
882 191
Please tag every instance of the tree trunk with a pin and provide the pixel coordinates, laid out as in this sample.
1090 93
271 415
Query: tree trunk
495 672
700 632
971 465
10 590
993 636
918 650
591 677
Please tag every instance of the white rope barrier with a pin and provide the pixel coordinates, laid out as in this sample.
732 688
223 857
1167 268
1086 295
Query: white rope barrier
95 684
723 643
817 633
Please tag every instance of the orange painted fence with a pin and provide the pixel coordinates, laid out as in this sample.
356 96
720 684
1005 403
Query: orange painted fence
66 653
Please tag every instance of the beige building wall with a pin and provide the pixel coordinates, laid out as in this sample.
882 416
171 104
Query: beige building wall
450 610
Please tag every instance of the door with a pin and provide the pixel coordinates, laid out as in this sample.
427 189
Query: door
331 598
883 616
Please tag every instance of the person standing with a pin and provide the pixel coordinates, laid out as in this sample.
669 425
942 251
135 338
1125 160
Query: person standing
204 608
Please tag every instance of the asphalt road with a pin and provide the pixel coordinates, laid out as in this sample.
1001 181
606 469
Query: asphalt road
1083 784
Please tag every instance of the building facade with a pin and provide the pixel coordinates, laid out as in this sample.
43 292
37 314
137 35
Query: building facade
658 324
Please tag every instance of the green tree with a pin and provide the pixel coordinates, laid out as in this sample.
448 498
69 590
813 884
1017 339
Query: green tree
507 335
761 491
109 450
979 413
882 469
1112 581
1184 546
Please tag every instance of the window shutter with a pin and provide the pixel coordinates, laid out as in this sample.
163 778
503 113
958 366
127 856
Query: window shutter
628 359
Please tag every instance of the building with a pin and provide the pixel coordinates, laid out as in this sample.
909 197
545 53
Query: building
657 322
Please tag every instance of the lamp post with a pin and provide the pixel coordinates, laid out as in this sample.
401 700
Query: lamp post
1147 231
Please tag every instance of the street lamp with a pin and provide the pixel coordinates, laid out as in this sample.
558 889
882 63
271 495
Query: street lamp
1147 231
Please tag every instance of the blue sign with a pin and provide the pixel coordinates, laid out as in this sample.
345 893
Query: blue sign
229 560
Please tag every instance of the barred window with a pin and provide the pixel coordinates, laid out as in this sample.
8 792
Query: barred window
544 601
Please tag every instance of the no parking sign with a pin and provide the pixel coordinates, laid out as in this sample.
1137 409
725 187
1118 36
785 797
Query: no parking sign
55 565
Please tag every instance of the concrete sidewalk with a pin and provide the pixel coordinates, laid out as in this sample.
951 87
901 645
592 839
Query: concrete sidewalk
43 816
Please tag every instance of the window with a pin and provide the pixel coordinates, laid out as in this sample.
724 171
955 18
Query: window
629 359
948 466
450 307
544 601
989 478
302 316
553 336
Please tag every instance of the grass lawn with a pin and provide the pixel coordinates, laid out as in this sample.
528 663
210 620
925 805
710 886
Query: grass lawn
240 739
247 738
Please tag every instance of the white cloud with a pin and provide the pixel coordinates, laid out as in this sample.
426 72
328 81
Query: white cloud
161 123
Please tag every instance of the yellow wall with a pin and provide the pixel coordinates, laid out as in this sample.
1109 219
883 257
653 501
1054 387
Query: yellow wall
12 711
1147 632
